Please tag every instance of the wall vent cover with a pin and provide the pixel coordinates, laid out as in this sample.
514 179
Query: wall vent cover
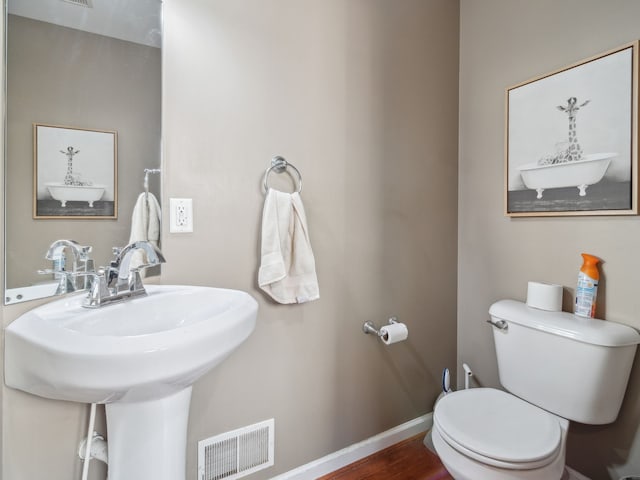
80 3
238 453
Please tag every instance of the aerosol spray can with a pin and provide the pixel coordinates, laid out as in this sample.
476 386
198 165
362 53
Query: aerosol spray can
587 289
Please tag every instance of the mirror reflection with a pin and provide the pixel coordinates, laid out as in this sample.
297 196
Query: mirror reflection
82 72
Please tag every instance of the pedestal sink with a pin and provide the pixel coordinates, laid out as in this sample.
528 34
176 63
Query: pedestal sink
139 357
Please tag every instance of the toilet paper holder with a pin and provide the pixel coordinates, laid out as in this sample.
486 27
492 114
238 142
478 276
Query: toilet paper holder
369 327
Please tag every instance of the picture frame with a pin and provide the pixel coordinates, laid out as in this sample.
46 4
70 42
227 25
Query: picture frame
571 140
75 173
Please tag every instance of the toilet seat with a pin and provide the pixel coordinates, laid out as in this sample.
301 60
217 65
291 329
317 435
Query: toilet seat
499 429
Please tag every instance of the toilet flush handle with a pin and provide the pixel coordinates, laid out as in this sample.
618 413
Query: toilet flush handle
501 324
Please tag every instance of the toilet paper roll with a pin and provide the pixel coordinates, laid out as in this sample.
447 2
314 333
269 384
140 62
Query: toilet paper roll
396 332
544 296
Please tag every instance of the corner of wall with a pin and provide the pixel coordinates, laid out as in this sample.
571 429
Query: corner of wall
2 127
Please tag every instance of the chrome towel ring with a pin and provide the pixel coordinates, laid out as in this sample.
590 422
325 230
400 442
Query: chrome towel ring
279 165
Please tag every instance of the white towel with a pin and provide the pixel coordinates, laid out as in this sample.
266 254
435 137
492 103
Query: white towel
145 225
287 270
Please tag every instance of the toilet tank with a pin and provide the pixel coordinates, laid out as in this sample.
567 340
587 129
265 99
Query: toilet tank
572 366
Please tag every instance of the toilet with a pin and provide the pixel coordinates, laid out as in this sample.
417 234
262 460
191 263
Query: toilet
556 367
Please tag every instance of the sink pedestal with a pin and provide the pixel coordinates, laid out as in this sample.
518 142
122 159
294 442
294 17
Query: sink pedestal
148 440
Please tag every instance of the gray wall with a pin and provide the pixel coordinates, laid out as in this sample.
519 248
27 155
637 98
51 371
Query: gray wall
362 97
63 76
505 42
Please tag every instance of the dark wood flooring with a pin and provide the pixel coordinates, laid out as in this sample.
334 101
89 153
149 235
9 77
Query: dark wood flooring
407 460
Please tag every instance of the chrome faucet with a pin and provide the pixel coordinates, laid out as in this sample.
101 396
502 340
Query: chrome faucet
69 276
119 280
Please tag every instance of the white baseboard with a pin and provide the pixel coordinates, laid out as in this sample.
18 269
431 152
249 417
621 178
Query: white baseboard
355 452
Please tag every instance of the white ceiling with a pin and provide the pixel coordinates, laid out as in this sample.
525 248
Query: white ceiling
138 21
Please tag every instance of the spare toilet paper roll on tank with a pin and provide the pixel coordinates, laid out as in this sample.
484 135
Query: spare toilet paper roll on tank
396 332
544 296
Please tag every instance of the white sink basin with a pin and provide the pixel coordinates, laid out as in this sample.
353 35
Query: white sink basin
144 348
139 357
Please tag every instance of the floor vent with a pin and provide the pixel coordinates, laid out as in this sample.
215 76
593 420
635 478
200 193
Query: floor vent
238 453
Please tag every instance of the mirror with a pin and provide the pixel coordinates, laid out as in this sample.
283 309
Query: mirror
78 71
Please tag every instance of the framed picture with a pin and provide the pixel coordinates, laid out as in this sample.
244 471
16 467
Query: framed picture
572 139
75 173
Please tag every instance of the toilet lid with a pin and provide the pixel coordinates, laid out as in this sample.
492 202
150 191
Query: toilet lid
498 426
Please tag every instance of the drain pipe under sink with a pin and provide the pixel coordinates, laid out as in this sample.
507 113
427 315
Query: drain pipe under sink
94 446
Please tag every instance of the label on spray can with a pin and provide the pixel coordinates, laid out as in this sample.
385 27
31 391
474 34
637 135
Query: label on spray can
586 295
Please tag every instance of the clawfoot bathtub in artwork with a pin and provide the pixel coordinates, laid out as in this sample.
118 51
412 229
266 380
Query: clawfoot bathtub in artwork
580 173
69 193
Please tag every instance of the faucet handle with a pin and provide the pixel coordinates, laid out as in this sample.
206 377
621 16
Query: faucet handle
83 253
66 280
98 289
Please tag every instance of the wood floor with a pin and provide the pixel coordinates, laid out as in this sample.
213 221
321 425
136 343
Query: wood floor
408 460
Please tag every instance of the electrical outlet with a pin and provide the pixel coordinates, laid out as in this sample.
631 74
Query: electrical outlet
180 215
